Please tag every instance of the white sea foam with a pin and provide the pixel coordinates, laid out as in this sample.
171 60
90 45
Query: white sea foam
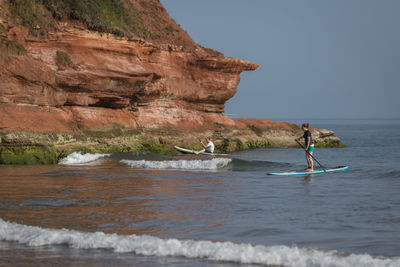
216 251
209 164
78 158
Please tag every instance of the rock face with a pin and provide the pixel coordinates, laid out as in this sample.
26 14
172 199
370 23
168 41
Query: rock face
148 83
79 82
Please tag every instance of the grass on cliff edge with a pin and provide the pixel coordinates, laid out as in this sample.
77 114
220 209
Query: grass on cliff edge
12 47
110 16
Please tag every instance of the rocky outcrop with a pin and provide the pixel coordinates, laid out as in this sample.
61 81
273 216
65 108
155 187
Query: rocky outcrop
76 86
145 81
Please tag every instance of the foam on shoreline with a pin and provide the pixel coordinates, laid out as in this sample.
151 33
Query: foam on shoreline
215 251
209 164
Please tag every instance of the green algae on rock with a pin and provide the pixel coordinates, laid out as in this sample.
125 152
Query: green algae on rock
28 155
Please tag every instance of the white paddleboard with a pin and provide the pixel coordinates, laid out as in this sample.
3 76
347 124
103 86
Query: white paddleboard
191 151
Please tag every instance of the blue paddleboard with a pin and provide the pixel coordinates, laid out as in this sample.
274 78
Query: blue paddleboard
316 171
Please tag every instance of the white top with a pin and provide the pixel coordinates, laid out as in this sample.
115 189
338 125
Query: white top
210 147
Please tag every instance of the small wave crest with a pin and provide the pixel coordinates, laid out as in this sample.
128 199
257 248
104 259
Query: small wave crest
209 164
216 251
78 158
257 165
391 174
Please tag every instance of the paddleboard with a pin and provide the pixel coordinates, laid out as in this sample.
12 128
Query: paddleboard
191 151
316 171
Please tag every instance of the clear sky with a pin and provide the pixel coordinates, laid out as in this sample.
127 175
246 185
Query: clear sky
318 58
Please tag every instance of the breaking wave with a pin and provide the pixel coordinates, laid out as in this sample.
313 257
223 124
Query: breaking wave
78 158
209 164
215 251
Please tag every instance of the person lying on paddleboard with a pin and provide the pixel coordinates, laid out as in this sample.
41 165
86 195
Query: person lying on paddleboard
309 145
209 148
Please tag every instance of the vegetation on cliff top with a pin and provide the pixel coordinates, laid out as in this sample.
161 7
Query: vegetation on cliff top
109 16
146 19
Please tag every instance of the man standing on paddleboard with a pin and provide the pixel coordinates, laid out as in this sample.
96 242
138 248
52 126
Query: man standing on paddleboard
309 145
209 148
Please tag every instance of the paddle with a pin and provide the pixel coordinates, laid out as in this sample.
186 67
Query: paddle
310 154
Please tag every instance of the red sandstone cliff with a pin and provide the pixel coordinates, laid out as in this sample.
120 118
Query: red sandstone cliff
161 87
145 84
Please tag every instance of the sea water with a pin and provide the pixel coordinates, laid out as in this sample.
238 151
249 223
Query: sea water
138 209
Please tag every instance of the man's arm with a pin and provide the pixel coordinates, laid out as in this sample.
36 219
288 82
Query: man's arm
205 146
